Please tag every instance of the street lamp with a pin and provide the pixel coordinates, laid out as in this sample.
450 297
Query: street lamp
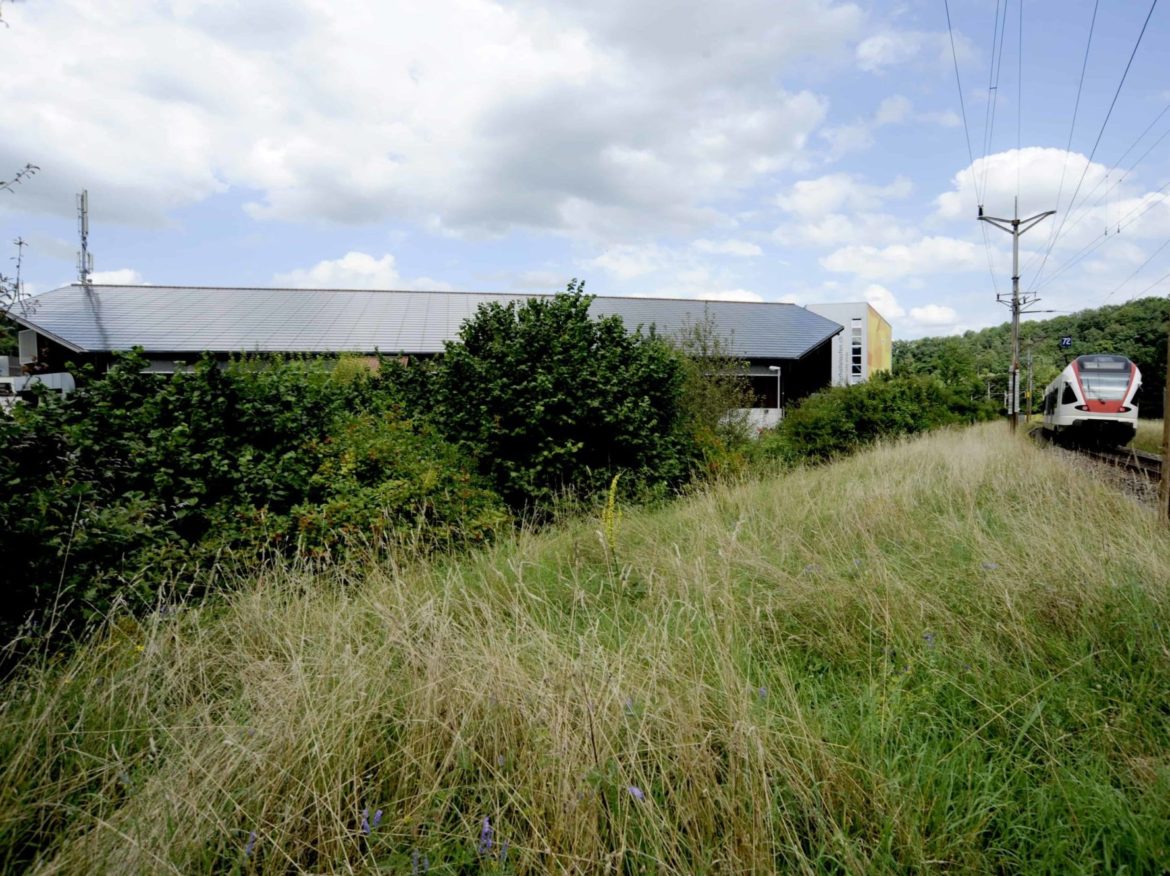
776 368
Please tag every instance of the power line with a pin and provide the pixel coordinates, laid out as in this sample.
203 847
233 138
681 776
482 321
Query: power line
962 103
994 67
1087 207
1071 129
1159 281
1153 256
1019 95
1089 248
1101 132
993 72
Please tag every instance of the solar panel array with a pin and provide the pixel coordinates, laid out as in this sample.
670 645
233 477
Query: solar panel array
185 319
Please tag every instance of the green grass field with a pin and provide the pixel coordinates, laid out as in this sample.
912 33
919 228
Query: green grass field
1148 437
949 655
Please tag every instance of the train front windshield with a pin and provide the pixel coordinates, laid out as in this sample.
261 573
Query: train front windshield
1104 379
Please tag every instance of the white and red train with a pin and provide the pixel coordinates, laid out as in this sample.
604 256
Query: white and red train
1092 401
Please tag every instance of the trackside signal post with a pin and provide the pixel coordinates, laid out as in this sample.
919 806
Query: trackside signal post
1015 227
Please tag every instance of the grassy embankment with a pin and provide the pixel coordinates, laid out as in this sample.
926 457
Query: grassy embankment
1148 437
951 654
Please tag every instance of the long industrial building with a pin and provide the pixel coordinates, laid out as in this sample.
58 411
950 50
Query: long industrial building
789 349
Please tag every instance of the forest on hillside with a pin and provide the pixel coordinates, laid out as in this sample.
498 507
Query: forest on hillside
977 362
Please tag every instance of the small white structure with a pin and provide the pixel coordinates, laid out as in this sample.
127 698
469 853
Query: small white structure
866 345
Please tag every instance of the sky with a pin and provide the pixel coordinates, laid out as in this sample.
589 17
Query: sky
793 150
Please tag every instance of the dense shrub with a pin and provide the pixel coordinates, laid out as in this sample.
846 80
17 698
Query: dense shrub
840 419
548 398
139 477
716 395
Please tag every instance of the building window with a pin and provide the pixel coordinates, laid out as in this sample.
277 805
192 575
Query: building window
856 373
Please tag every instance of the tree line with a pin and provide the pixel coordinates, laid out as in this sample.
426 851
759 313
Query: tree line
977 362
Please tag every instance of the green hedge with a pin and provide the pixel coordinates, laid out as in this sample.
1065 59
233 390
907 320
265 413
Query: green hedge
139 478
840 419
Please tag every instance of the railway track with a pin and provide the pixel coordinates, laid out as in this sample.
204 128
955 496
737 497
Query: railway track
1138 462
1128 459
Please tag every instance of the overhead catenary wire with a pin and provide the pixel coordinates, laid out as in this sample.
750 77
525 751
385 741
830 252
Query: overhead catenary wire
1019 95
1086 206
993 71
967 135
1071 128
1091 247
1100 134
962 102
1138 270
1162 279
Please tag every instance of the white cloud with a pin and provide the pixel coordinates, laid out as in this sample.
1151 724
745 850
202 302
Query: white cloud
858 135
118 277
669 271
473 115
733 295
929 255
944 118
835 229
893 110
812 198
1043 174
627 261
890 48
883 301
884 49
727 247
839 208
933 315
354 270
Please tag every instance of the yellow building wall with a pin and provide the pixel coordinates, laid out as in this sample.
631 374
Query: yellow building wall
880 343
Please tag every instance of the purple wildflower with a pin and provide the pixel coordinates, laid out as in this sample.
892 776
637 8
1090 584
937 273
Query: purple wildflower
377 819
365 822
485 837
415 868
763 693
504 852
251 844
636 792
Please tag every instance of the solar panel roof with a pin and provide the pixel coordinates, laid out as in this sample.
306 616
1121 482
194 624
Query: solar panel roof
187 319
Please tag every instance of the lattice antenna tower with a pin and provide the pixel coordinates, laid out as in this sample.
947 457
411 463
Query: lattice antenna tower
85 257
20 243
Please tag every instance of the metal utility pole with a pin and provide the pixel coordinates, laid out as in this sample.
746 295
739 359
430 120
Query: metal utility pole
1164 491
1029 417
1015 227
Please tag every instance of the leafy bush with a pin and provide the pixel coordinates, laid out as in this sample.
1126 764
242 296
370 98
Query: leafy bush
548 399
138 478
383 476
716 393
840 419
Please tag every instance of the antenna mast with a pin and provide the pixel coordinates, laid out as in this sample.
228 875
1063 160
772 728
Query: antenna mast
20 243
84 258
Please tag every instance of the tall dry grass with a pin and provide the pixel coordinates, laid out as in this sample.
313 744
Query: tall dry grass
949 654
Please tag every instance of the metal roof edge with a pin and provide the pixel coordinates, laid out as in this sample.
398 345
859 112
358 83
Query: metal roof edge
161 286
27 323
